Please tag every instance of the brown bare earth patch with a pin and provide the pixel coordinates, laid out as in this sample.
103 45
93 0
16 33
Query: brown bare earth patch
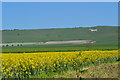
65 42
49 42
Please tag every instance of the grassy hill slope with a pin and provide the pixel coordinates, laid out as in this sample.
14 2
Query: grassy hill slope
106 39
104 35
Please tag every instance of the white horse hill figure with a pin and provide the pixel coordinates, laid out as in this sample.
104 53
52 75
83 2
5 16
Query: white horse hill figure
93 30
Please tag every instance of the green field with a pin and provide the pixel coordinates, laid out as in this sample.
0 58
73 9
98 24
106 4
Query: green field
106 38
55 48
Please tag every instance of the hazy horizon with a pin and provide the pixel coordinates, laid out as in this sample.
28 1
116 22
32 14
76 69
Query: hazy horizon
55 28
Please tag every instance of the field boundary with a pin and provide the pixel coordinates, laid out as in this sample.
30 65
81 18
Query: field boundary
49 42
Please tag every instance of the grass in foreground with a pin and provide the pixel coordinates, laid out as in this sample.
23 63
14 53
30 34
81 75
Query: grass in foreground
108 70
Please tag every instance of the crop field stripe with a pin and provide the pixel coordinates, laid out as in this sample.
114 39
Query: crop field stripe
32 64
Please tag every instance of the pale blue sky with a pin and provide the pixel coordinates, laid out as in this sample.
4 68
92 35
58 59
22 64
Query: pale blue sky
60 0
39 15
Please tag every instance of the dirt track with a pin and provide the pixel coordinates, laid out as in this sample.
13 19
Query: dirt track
49 42
65 42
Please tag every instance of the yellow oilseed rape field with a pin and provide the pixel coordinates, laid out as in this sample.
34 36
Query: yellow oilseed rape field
25 65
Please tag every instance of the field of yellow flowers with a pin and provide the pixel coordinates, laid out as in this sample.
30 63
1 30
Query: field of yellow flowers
25 65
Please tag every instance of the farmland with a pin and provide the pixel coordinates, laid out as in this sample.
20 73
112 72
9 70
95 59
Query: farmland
105 37
26 65
108 35
55 48
48 60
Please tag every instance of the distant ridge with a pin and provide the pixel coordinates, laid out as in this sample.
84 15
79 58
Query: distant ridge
58 28
105 35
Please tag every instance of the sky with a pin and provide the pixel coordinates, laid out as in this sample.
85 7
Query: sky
60 0
43 15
